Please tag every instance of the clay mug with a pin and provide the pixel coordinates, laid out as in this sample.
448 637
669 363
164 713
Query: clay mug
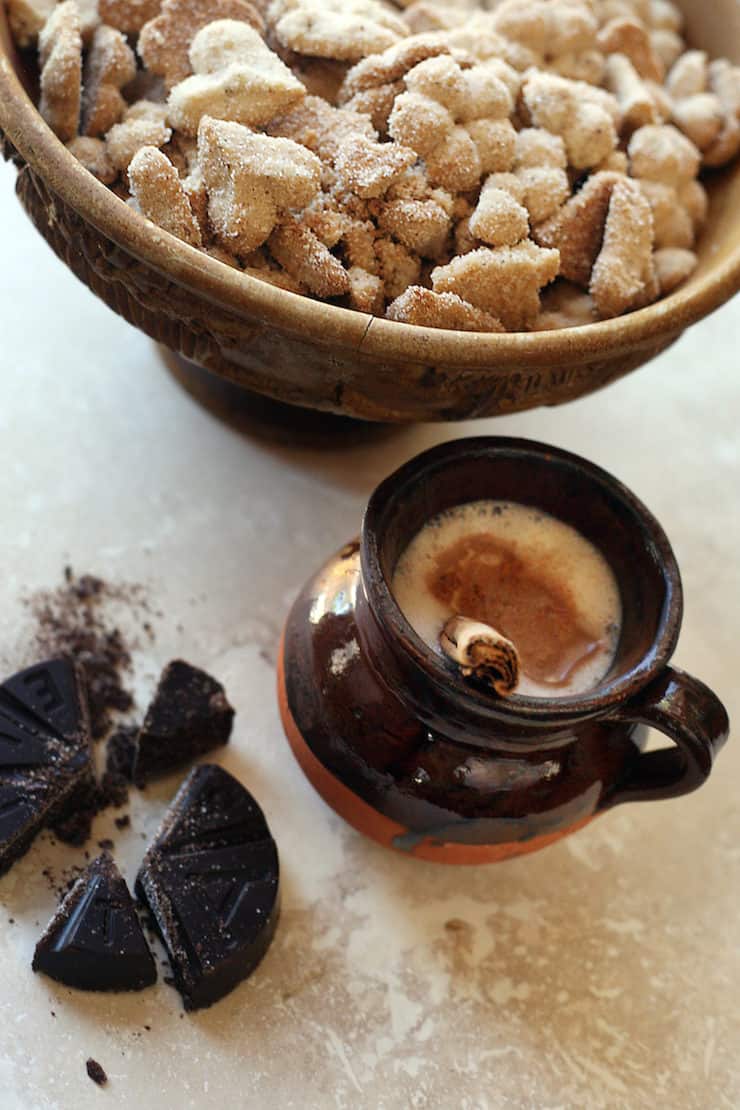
413 755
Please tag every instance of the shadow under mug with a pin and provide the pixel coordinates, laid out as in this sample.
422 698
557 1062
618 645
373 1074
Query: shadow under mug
414 756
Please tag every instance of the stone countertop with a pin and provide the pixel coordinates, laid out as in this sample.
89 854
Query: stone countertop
601 973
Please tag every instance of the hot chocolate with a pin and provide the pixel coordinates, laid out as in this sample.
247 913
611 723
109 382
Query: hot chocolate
532 577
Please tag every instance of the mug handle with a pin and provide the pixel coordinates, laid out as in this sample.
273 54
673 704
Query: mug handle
689 714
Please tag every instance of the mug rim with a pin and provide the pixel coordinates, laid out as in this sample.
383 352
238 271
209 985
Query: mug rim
601 699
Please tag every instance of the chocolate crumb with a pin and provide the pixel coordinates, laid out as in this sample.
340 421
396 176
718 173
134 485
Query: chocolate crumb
122 822
75 829
106 844
148 1028
52 1013
119 764
66 881
112 790
96 1073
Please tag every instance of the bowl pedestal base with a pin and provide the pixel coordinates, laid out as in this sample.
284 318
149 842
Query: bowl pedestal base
264 417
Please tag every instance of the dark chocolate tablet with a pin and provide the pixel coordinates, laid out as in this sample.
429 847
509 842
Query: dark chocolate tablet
211 881
49 694
25 804
94 941
189 715
212 810
45 758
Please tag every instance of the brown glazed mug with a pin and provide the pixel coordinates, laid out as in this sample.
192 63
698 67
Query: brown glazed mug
414 756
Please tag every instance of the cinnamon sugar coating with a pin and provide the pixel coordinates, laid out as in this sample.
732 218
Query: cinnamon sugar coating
235 77
523 164
109 65
250 180
164 42
60 61
160 195
440 310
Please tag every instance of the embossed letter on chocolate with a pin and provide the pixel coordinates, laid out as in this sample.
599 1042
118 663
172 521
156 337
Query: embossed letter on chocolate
45 757
211 882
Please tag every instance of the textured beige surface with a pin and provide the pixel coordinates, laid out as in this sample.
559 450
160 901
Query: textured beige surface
604 972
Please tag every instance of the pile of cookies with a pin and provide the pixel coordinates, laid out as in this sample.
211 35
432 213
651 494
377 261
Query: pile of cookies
504 166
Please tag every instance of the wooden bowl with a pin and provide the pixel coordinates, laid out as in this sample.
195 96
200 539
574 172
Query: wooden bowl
313 354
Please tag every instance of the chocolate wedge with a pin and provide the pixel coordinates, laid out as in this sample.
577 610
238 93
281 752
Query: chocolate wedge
46 765
94 941
188 716
211 882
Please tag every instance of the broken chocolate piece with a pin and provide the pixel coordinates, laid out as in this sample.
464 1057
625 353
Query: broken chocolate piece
211 882
24 807
94 941
45 755
189 715
211 810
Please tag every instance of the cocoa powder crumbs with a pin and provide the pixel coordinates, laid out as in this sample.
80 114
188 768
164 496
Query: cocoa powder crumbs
111 790
75 829
74 620
119 766
61 884
71 620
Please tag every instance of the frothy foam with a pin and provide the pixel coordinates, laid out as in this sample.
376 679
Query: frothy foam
533 577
